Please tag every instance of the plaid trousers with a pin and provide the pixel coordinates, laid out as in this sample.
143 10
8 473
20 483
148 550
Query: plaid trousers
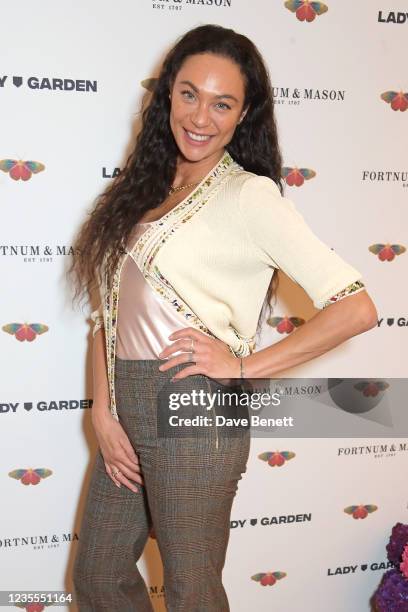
191 476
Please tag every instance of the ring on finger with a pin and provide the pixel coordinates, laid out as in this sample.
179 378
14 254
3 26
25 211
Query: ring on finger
115 472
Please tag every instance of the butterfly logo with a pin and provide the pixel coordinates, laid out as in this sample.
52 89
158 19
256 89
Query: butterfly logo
25 331
268 578
285 325
360 512
371 389
28 476
21 170
397 100
34 607
306 10
276 458
297 176
149 84
387 252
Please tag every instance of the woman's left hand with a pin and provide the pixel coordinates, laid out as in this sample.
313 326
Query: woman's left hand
211 356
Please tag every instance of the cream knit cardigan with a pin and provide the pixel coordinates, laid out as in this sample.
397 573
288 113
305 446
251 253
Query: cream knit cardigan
212 258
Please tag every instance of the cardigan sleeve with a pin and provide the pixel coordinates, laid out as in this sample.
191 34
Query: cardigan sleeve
97 318
284 241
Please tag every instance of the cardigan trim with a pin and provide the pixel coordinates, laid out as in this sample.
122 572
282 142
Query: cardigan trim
144 253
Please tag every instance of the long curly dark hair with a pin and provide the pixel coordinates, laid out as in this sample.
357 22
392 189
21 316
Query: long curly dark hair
144 182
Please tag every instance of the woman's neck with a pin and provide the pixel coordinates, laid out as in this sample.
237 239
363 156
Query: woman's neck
190 172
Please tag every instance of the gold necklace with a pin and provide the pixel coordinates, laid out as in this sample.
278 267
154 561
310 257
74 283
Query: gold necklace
181 187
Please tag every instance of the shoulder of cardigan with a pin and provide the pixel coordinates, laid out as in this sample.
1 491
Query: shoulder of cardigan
145 251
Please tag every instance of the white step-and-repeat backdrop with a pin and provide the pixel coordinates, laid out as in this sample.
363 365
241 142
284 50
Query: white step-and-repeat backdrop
70 94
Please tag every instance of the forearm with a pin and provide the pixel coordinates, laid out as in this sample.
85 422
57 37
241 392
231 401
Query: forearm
326 330
101 399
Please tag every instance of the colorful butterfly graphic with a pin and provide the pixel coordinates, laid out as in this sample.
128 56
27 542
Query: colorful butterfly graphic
149 84
297 176
276 458
371 389
20 170
360 512
397 99
285 325
25 331
268 578
306 10
387 252
34 607
29 476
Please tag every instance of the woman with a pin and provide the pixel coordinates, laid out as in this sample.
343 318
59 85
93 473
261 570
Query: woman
184 246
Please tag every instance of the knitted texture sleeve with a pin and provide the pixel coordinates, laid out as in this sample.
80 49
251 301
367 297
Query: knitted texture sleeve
97 319
284 240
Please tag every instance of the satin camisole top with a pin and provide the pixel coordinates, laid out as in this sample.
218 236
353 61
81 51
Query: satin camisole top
145 321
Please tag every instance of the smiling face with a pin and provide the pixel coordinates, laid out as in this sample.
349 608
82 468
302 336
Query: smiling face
207 100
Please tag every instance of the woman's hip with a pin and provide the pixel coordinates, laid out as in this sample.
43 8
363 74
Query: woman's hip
195 408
